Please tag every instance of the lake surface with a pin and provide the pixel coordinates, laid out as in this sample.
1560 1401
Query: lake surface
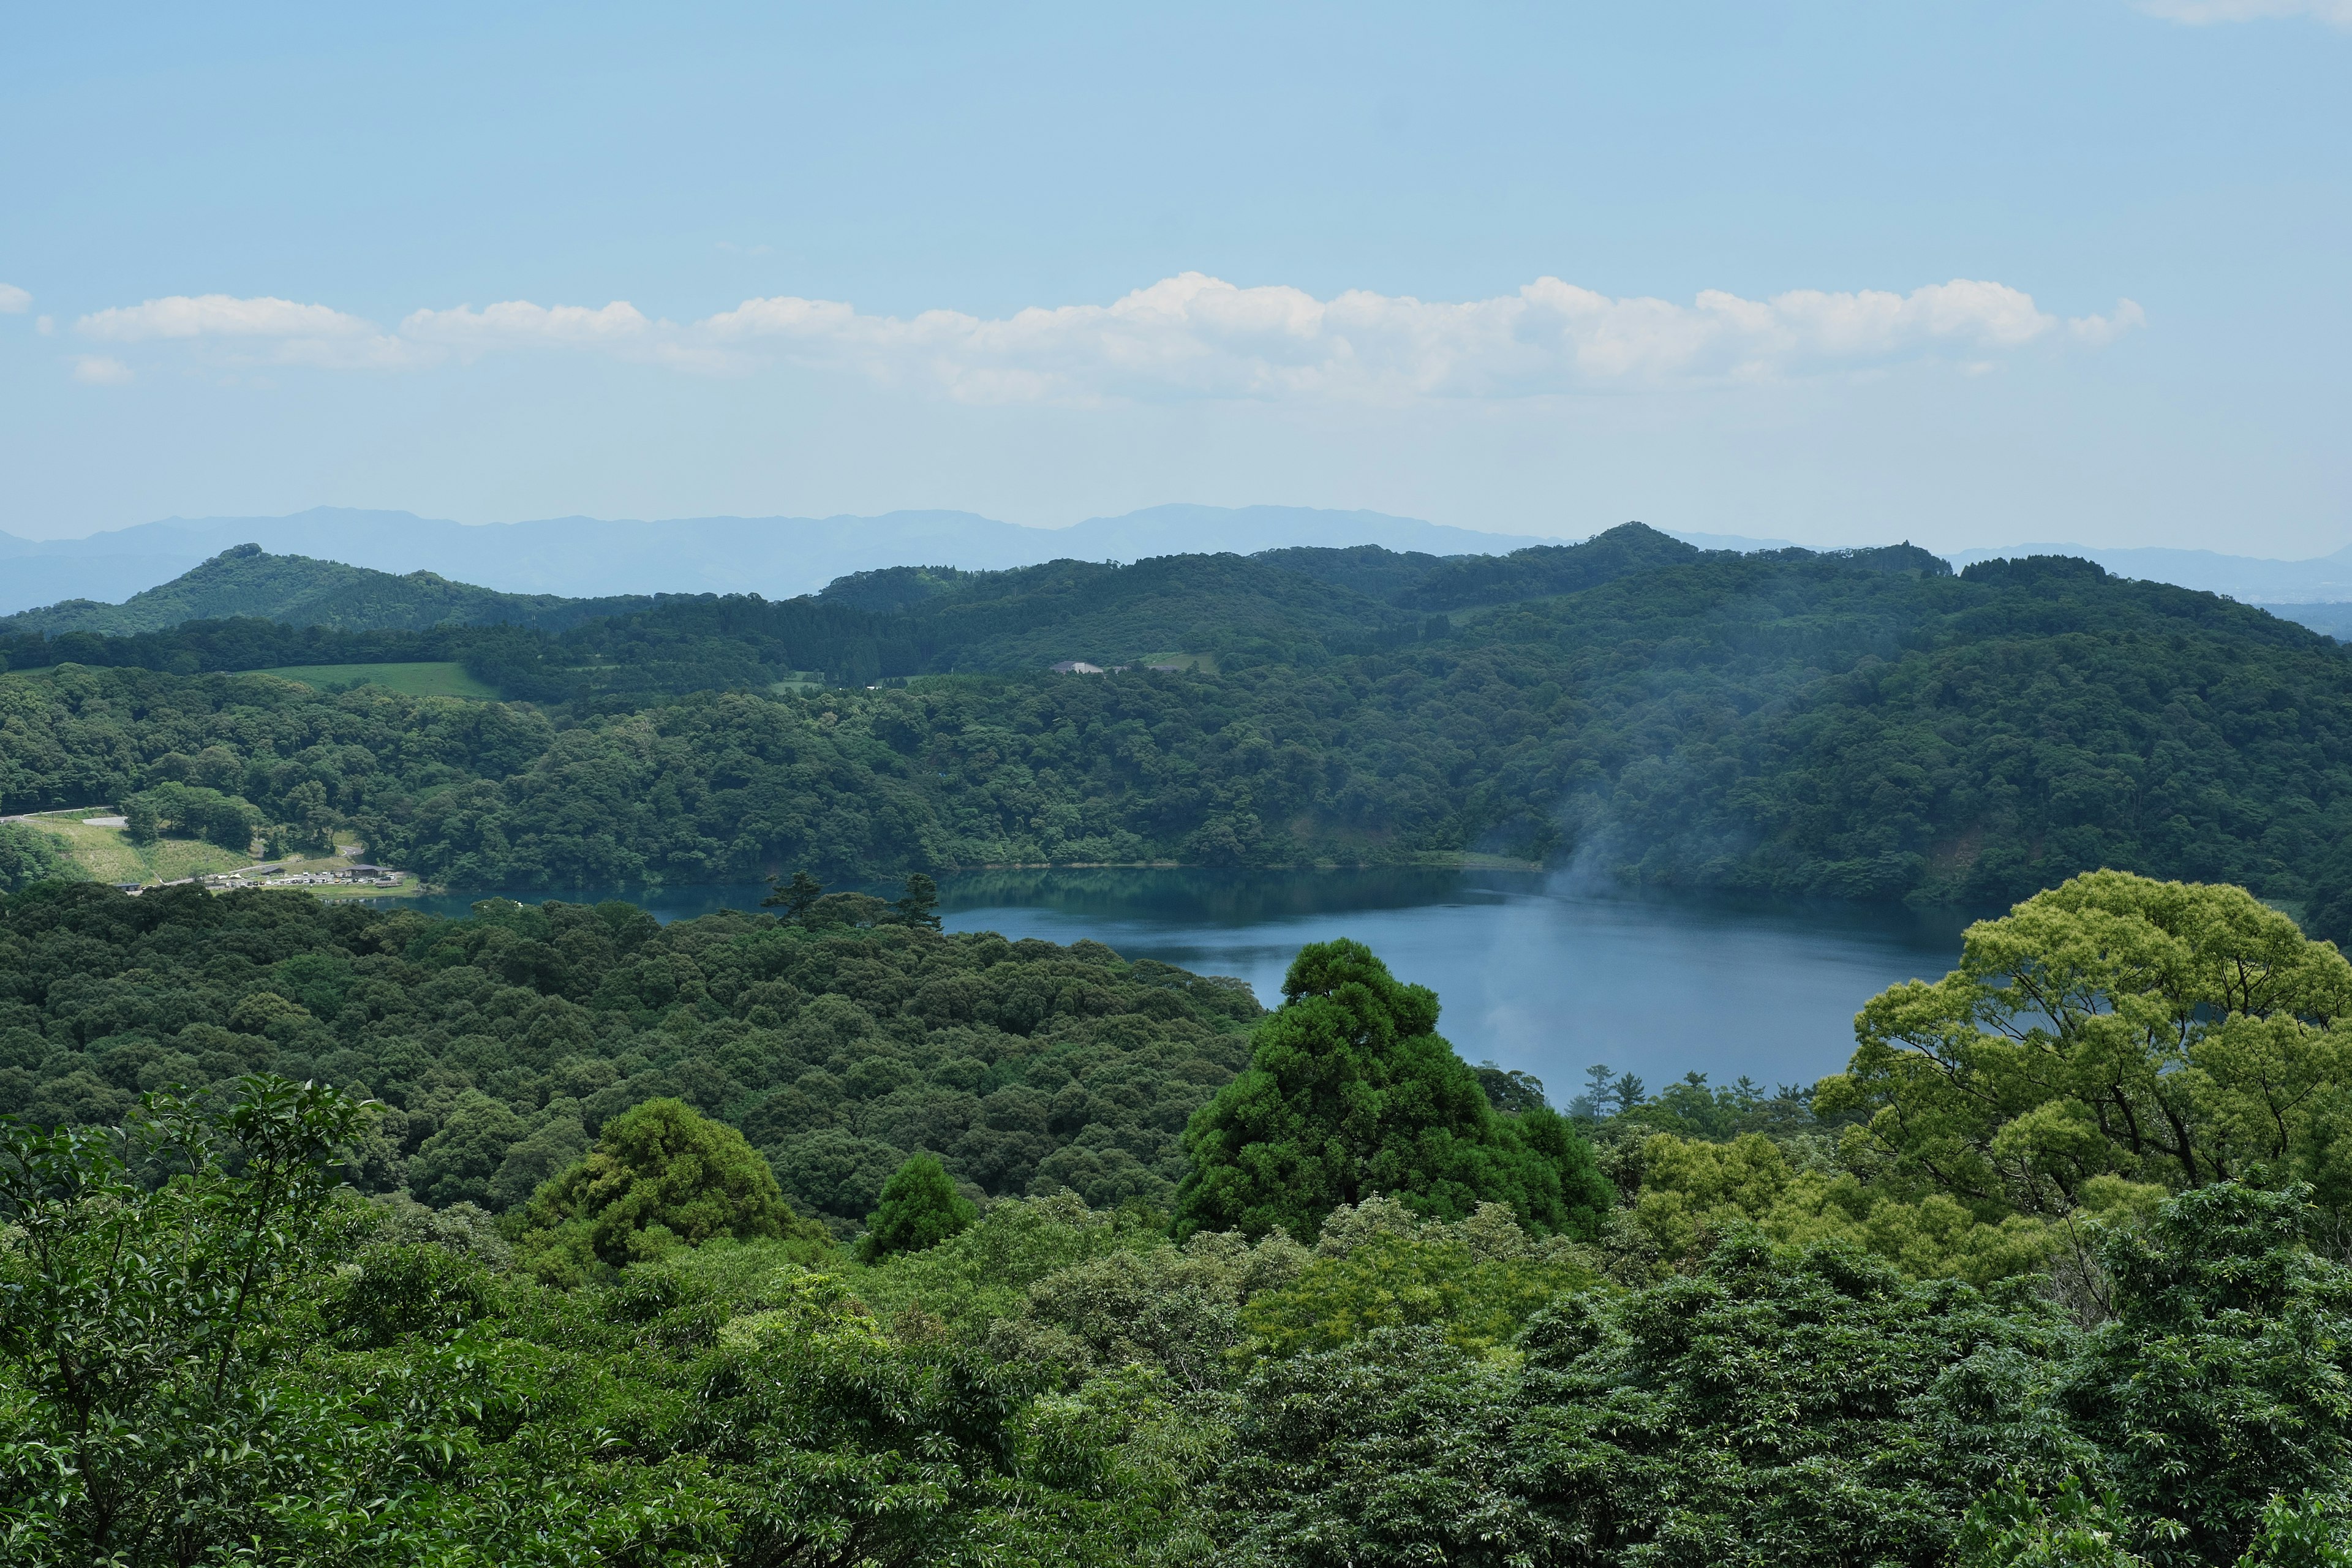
1542 973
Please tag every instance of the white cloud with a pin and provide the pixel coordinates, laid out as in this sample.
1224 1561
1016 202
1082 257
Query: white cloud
45 325
2197 12
1194 336
297 334
220 315
518 321
13 299
1197 336
2098 332
97 370
618 328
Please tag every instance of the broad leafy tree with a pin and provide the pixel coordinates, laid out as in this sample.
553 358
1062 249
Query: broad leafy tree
143 1275
2118 1029
661 1176
2225 1378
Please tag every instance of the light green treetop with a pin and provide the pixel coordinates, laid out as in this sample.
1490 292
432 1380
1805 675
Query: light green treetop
2112 1029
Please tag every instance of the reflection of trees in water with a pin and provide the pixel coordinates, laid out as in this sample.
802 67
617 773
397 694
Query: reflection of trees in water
1224 897
1212 897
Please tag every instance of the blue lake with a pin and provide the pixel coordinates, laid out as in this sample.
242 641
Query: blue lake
1542 973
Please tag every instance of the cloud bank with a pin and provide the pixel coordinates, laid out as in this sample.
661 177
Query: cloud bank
1193 337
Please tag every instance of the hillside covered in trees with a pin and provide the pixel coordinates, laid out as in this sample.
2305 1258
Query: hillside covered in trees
2070 1217
501 1045
1862 726
296 590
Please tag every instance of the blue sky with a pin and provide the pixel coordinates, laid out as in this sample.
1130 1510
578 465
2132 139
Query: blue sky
1968 273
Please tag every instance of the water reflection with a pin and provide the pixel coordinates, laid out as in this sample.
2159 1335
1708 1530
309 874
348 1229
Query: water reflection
1538 972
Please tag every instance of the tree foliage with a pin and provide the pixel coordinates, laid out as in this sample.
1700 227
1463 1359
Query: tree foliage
28 856
1349 1093
2115 1029
140 1282
919 1209
661 1176
1853 726
503 1043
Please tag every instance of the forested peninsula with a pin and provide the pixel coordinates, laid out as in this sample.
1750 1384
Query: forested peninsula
1861 725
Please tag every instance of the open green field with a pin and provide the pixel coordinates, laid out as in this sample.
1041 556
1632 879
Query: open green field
408 680
108 856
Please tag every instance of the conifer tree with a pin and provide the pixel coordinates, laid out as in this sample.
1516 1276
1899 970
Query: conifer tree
1350 1091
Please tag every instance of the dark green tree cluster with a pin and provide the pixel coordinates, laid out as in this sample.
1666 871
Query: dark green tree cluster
1813 1406
190 811
1860 726
1350 1093
503 1045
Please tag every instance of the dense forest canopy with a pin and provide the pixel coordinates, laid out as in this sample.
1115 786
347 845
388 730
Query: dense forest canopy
501 1045
537 1299
1862 726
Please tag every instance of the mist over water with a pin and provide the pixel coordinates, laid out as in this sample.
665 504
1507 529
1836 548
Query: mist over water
1540 971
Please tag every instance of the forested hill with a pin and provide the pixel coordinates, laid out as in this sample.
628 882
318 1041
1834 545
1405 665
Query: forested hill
1860 727
502 1043
1297 606
298 591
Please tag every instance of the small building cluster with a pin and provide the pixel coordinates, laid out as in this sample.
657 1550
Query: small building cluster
1080 666
360 876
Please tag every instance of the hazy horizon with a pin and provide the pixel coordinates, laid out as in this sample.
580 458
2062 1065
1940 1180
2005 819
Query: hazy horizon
1975 549
1826 272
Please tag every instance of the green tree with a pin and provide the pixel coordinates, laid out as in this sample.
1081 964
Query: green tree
2113 1028
919 1209
1351 1092
795 897
137 1315
2225 1376
661 1176
28 856
919 905
1476 1280
1777 1408
458 1164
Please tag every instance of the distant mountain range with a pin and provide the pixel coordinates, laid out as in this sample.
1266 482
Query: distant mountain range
2249 579
301 591
777 557
246 580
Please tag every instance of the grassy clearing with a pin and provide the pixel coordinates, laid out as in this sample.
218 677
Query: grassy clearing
108 856
408 680
1204 662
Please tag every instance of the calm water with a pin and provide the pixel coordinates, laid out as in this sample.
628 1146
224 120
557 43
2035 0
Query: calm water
1536 971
